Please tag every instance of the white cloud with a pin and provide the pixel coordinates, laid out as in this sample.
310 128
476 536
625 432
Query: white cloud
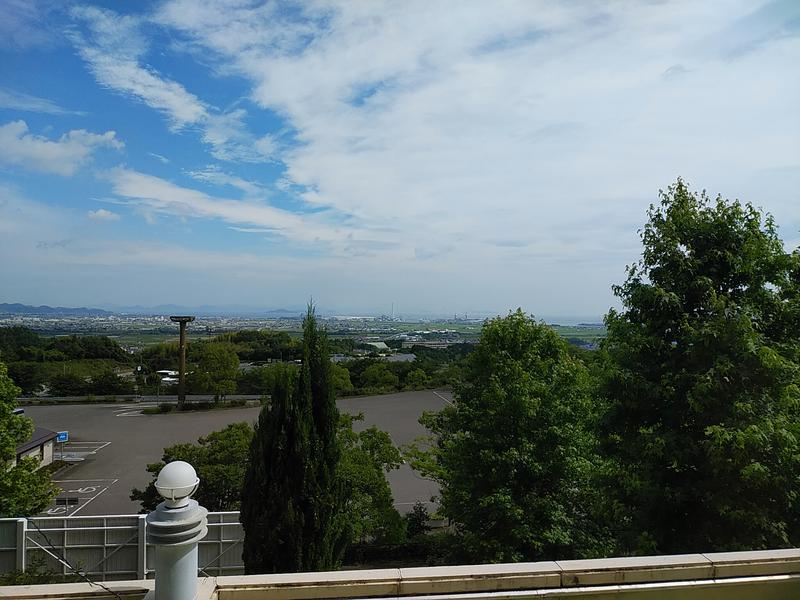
503 154
213 174
163 197
477 121
63 156
27 23
25 102
160 158
101 214
114 51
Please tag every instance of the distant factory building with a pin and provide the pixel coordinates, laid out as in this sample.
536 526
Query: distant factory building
430 343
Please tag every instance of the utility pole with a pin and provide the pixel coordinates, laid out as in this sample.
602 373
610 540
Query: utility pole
183 320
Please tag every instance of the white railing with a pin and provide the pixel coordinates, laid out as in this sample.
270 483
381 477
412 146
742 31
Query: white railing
108 548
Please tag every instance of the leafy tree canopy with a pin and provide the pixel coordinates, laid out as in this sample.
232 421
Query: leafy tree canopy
24 489
514 454
220 460
366 458
703 385
216 369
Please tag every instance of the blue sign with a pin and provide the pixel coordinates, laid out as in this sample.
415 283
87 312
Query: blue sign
63 436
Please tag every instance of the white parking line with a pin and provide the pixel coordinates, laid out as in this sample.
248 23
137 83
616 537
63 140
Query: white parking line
81 491
438 395
82 506
83 442
131 413
80 480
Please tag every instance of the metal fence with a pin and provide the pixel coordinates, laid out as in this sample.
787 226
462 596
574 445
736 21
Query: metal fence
107 548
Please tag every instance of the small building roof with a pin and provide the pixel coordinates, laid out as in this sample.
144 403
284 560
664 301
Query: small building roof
39 436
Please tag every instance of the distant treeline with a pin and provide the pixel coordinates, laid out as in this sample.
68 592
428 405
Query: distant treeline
97 365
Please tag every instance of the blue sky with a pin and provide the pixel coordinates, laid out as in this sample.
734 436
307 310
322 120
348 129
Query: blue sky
447 157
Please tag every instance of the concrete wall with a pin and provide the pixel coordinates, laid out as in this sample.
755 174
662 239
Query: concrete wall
47 453
768 575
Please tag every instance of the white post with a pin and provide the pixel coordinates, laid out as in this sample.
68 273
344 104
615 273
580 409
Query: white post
175 527
141 548
22 544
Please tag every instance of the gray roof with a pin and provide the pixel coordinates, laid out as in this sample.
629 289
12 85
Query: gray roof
40 436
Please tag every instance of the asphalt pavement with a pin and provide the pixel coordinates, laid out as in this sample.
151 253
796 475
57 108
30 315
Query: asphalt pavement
113 443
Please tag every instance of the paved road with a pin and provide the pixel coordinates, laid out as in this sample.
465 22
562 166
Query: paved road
116 442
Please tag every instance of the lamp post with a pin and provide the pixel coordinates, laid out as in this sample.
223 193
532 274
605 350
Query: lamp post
175 527
183 320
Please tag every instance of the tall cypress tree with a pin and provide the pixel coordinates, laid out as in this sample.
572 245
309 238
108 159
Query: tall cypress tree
293 501
272 512
326 529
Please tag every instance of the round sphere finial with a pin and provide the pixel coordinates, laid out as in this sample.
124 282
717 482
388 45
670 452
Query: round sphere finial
176 482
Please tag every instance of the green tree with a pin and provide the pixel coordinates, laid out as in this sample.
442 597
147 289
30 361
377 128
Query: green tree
379 377
29 376
293 502
261 380
17 343
24 489
68 384
341 379
417 380
366 458
514 454
216 370
109 383
417 520
704 389
220 460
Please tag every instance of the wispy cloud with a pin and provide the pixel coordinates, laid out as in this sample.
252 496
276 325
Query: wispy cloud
112 51
164 197
114 47
62 156
512 122
26 23
25 102
101 214
428 151
213 174
160 158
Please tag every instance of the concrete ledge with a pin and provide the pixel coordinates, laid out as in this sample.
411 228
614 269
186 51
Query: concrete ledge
754 563
635 569
771 575
479 578
133 590
297 586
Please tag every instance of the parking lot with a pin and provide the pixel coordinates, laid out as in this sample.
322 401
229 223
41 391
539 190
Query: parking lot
111 444
76 495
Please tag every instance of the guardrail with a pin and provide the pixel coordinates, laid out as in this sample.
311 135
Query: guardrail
108 548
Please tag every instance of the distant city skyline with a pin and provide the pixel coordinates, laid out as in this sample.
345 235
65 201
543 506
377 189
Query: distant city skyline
445 157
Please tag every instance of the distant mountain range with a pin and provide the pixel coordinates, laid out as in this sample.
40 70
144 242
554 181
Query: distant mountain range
207 311
163 309
51 311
